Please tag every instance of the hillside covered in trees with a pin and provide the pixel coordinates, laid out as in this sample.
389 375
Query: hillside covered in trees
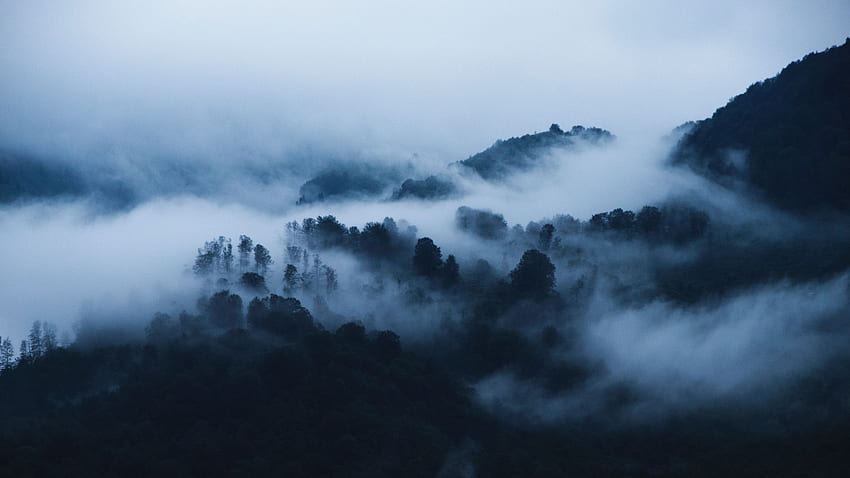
786 136
701 334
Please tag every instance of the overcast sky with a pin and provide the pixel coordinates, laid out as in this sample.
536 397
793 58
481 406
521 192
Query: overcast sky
204 78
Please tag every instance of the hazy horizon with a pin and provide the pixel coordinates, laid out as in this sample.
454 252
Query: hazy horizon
206 81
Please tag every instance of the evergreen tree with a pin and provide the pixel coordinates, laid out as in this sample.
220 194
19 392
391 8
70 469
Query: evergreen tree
7 353
35 340
48 337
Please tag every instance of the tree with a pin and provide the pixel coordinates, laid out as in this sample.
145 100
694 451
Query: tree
648 221
317 266
279 315
290 279
24 351
451 271
223 309
254 282
227 258
374 240
331 283
546 234
36 347
246 245
207 260
481 222
293 254
7 353
620 220
329 232
262 259
534 276
427 258
48 337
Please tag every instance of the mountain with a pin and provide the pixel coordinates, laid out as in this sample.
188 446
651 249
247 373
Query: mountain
787 137
526 152
349 181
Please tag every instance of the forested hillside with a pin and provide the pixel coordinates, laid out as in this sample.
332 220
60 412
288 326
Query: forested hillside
785 136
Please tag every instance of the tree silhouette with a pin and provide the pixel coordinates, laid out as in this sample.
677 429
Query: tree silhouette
279 315
451 271
262 259
246 245
427 258
534 276
7 353
224 309
290 279
546 234
35 342
254 282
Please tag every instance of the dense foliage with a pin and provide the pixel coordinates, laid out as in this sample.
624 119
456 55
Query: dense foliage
528 151
785 136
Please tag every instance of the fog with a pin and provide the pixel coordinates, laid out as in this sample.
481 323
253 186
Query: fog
199 121
131 258
190 80
740 352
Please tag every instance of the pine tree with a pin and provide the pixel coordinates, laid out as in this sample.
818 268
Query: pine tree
48 337
25 350
7 353
36 344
